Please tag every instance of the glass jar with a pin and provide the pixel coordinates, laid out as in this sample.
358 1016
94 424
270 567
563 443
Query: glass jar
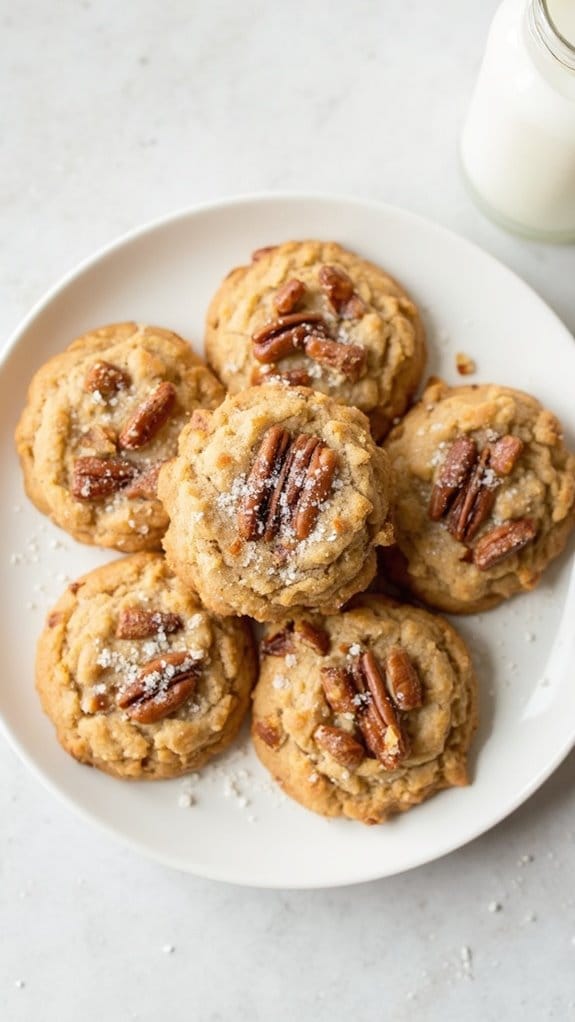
518 142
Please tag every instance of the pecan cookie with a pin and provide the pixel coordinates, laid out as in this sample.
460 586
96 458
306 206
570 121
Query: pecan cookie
485 495
137 678
100 420
277 501
366 713
313 314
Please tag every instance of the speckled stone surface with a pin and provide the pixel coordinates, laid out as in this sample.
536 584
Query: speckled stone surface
118 113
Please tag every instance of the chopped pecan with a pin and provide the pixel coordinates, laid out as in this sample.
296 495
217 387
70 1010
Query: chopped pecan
452 476
505 454
96 478
279 643
349 359
313 636
269 732
464 364
106 379
291 377
501 542
339 689
402 679
473 504
287 334
139 623
354 309
259 253
161 687
148 417
268 462
145 484
288 296
337 286
318 483
342 746
54 618
100 440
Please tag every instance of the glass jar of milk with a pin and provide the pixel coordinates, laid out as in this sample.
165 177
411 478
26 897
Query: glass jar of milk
518 142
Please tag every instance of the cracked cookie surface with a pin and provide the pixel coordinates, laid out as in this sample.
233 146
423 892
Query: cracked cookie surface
342 326
100 419
485 495
320 746
277 500
137 677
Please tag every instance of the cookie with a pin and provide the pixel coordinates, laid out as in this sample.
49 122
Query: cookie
485 496
367 713
137 677
99 421
312 313
277 501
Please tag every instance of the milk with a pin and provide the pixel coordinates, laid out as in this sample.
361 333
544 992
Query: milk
518 142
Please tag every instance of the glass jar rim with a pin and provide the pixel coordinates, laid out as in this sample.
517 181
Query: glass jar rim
546 32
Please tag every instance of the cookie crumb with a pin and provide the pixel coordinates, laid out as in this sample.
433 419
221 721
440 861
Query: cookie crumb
494 906
186 800
464 364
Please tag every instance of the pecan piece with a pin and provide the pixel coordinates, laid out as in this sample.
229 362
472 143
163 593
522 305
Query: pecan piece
288 296
148 417
161 687
339 689
291 377
138 623
348 359
146 483
505 454
337 286
259 253
286 334
106 379
474 503
342 746
268 462
402 679
313 636
453 474
354 309
279 643
503 541
269 733
317 485
378 721
96 478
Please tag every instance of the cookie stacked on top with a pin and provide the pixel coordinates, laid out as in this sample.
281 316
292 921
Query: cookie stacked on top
272 501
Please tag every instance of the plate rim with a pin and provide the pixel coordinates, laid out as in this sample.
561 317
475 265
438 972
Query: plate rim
48 296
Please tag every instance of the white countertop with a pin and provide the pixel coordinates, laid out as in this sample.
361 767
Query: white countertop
113 114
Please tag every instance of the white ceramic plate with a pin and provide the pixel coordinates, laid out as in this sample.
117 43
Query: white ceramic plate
240 828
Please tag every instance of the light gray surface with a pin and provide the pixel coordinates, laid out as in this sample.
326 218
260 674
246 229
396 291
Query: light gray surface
112 115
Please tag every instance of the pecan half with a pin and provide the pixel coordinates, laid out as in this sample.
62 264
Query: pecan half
261 482
342 746
349 359
145 484
452 476
317 485
279 643
288 296
501 542
269 732
148 417
161 687
279 505
475 501
313 636
336 284
505 454
377 718
287 334
96 478
138 623
402 679
106 378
